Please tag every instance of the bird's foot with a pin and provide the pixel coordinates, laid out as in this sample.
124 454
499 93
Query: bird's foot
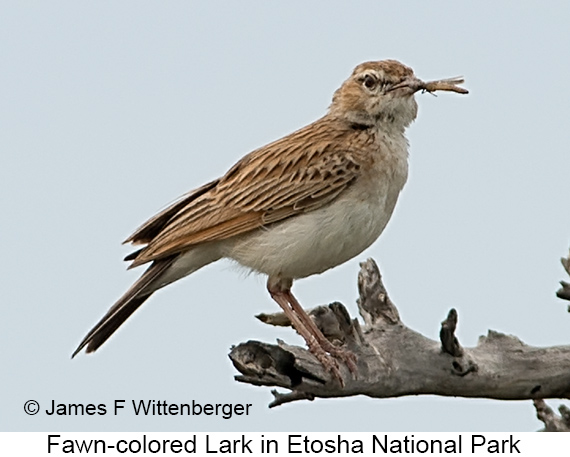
329 357
345 355
338 352
328 361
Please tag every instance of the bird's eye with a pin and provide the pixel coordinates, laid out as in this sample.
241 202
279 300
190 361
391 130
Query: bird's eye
369 81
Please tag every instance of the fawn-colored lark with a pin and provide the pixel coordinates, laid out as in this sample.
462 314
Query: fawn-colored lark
294 208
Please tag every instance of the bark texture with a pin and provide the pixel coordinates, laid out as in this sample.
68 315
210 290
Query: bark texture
564 291
394 360
552 421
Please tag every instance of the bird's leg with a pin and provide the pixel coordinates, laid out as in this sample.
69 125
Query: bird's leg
345 355
279 294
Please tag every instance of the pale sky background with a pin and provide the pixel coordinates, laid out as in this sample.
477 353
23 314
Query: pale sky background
109 110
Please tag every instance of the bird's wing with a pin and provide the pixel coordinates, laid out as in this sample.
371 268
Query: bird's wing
151 228
299 173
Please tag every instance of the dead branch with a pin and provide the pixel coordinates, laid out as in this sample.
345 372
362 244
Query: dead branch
552 421
564 291
394 360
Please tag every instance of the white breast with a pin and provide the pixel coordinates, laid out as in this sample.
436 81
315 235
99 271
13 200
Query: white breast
313 242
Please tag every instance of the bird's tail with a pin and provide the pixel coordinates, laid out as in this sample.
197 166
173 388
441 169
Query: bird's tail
125 306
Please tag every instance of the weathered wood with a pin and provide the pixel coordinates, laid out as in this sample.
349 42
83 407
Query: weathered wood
564 291
552 421
394 360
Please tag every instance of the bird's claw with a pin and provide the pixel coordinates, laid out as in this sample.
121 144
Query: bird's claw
347 356
329 359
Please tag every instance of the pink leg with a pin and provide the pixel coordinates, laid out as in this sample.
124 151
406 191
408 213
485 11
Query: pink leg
328 362
346 356
280 290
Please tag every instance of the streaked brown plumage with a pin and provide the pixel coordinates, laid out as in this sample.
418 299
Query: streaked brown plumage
296 207
276 182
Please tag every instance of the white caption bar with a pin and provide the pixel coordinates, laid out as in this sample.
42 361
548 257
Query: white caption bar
255 443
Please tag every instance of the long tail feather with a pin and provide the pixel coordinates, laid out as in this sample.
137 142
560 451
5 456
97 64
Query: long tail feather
125 306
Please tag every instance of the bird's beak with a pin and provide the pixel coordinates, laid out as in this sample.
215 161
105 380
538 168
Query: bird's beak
411 83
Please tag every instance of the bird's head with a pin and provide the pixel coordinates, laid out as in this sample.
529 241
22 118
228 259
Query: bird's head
378 92
383 93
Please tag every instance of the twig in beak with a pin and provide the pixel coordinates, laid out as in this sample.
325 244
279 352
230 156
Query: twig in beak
450 85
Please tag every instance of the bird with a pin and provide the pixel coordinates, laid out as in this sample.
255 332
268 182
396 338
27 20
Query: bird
294 208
